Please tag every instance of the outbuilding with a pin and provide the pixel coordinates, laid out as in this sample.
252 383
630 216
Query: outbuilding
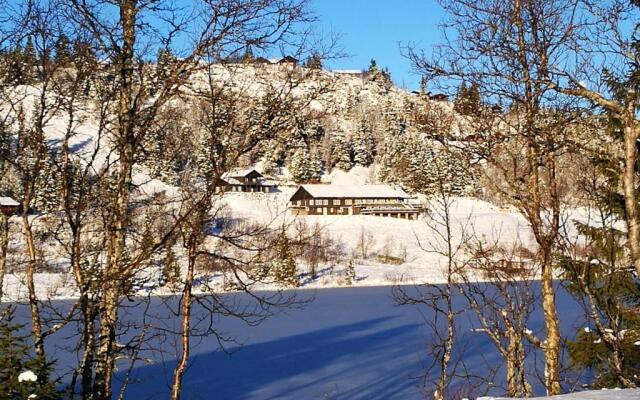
246 180
8 206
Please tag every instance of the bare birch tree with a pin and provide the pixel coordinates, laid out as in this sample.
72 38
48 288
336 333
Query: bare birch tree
448 243
506 50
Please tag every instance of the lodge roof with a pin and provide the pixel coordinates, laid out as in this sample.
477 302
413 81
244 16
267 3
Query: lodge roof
288 59
8 202
355 191
239 173
348 71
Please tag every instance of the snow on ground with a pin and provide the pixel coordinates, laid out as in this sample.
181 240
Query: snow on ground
357 175
409 239
413 241
347 343
605 394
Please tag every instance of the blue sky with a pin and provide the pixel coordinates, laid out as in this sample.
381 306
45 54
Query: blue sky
376 28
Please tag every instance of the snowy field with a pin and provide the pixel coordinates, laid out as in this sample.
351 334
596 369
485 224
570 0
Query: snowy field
348 343
411 240
605 394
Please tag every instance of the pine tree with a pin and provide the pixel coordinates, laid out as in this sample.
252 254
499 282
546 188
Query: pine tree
350 273
314 61
610 350
363 146
600 277
340 151
47 187
16 359
29 61
467 100
248 57
62 50
283 267
170 267
16 71
304 166
378 76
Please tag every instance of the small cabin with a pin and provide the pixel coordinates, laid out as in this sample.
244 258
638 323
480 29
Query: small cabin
358 73
439 97
288 61
376 200
261 61
246 180
8 206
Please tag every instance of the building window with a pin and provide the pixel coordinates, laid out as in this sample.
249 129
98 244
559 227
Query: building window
325 202
348 202
312 202
336 202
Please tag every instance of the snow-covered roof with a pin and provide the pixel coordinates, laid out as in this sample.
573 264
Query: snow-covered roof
234 173
347 71
355 191
231 181
8 202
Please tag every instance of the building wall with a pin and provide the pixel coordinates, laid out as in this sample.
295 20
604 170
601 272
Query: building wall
311 206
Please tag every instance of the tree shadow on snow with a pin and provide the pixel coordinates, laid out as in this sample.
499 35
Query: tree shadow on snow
316 364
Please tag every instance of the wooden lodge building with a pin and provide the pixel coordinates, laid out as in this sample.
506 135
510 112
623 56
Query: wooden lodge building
246 180
378 200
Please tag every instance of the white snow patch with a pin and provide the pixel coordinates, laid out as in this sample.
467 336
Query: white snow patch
604 394
27 376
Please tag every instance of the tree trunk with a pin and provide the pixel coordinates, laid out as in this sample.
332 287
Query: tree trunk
631 134
116 236
105 354
185 311
551 345
4 243
36 325
512 362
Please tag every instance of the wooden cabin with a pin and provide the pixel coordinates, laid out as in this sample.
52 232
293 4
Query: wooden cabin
438 97
261 61
8 206
357 73
377 200
246 180
288 61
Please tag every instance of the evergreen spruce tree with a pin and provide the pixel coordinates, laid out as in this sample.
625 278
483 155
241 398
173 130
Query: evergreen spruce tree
378 76
314 61
350 273
47 187
29 61
461 98
164 58
18 367
467 100
62 50
363 146
16 70
304 166
602 279
387 158
340 151
283 267
248 57
170 267
616 294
